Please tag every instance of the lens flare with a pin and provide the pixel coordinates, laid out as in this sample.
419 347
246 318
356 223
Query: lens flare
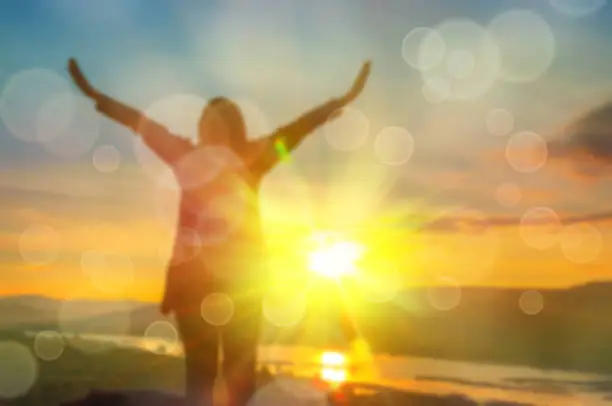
335 259
281 150
334 367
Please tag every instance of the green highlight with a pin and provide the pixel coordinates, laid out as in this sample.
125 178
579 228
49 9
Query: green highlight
281 149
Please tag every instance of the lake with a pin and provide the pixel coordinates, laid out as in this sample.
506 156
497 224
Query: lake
479 381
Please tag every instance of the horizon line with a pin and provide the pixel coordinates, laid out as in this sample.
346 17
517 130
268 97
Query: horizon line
412 288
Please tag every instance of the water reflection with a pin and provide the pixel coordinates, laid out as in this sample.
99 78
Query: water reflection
419 375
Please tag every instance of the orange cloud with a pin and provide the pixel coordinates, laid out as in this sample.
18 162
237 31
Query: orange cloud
583 146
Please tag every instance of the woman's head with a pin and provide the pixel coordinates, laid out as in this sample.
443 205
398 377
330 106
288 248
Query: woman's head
222 123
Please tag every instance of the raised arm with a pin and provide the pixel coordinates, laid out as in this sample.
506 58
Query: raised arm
289 136
167 146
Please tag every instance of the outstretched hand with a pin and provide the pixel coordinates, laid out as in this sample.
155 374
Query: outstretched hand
358 84
79 79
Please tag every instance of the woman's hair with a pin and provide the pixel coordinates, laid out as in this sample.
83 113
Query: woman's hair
229 126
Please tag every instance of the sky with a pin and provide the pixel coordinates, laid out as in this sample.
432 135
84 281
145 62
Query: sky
445 165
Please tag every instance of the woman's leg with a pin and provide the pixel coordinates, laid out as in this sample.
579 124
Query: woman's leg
240 344
201 346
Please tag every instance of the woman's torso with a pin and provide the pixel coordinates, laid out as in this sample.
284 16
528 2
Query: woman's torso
219 243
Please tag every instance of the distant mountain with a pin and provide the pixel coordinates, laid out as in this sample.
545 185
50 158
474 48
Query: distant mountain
27 310
573 329
39 312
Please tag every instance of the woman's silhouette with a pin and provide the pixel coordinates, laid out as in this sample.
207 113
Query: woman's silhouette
219 248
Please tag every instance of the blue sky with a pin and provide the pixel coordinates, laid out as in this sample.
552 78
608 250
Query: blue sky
281 58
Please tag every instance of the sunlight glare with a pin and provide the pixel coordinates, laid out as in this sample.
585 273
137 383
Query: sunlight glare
335 259
334 359
333 369
333 375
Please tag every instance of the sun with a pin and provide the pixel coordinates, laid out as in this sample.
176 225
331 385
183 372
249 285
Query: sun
334 258
334 368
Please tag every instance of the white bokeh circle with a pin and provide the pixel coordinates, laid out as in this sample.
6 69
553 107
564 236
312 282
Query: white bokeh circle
540 227
255 118
445 296
577 8
55 116
508 194
40 244
581 243
106 159
526 152
22 104
460 63
423 48
349 130
526 42
205 166
472 61
160 331
79 135
394 146
531 302
179 113
217 309
217 219
153 166
48 345
19 370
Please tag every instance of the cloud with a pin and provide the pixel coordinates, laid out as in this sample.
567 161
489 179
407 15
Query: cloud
22 206
472 221
584 145
78 193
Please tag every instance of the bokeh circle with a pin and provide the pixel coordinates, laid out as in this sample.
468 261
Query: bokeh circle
540 227
526 152
526 42
106 159
79 135
217 309
349 130
577 8
23 100
394 146
472 60
423 48
531 302
446 295
48 345
40 244
581 243
508 194
19 370
160 332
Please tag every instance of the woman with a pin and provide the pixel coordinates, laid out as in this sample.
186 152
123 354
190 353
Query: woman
219 244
